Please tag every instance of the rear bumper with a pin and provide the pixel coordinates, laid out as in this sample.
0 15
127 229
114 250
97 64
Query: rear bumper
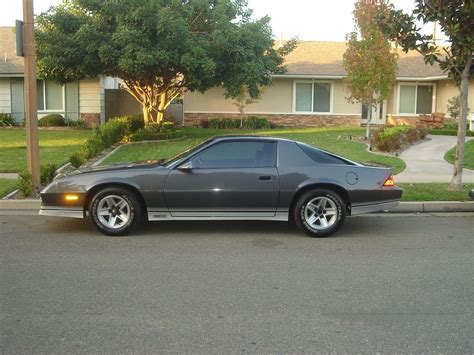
61 212
373 207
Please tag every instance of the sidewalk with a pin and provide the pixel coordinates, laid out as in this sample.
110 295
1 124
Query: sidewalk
425 162
11 176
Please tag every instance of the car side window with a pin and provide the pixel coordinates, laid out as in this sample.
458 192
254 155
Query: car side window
237 154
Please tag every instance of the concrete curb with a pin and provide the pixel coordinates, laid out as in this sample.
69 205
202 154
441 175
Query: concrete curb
434 206
403 207
19 205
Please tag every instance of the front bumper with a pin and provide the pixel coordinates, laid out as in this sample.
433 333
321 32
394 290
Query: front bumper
62 212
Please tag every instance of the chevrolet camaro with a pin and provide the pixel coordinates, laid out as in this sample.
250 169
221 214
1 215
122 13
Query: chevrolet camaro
226 178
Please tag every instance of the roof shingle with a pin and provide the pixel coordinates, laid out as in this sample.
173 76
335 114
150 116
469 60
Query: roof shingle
325 59
10 63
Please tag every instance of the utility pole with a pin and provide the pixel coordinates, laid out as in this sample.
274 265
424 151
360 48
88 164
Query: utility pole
31 114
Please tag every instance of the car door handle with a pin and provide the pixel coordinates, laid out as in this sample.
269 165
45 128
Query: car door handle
265 178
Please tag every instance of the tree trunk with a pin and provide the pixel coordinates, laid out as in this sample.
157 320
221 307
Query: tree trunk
146 114
369 119
456 182
161 108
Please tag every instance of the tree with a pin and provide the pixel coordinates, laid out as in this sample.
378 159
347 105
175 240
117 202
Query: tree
454 107
369 61
456 19
242 100
159 48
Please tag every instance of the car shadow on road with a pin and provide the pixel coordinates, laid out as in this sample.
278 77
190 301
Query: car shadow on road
351 227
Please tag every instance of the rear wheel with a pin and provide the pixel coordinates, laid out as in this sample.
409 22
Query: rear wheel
115 211
320 212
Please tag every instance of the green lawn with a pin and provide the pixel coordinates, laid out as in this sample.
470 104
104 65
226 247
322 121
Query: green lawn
7 186
433 192
468 155
332 139
55 147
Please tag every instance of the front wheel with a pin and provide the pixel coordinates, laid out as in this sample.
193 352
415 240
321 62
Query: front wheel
320 213
115 211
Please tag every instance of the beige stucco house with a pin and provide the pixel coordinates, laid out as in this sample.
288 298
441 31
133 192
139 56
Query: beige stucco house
312 92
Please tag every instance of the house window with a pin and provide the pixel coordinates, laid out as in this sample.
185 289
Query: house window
50 96
312 97
416 99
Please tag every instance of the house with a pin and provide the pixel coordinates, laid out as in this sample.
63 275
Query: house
82 99
312 92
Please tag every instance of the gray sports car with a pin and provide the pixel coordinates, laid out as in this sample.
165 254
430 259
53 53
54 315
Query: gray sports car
226 178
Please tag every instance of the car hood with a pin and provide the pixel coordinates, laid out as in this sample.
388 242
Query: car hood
113 167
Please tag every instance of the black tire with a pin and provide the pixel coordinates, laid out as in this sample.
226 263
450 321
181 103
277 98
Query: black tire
132 209
318 229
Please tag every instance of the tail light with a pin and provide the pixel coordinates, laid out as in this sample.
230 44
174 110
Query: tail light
389 181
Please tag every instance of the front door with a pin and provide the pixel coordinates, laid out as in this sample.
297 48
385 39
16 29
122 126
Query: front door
229 179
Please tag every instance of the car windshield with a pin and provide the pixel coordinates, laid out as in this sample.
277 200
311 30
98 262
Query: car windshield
183 155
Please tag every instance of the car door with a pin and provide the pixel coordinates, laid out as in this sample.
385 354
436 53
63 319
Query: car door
231 179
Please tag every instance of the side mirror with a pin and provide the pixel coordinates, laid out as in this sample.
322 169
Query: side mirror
186 167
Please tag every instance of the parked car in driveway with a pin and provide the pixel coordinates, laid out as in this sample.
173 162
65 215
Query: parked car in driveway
226 178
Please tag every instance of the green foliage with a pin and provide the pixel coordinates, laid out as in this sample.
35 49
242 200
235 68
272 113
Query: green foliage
77 159
468 155
75 123
454 107
143 135
456 22
25 181
55 146
393 138
433 192
450 128
251 122
125 128
159 47
167 130
7 186
53 120
47 173
447 132
6 120
370 63
255 122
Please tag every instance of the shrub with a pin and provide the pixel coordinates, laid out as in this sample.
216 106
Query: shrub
255 122
447 132
52 120
454 107
450 128
251 122
48 172
134 123
204 123
168 130
25 183
393 138
75 123
143 135
6 119
153 131
77 159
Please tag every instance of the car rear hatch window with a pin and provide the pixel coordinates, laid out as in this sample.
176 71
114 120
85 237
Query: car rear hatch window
322 157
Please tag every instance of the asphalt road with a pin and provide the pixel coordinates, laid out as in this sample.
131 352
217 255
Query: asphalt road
383 284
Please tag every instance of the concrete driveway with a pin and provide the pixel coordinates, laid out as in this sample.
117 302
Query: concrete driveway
395 284
425 162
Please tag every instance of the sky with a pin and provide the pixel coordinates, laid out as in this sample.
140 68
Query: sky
322 20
